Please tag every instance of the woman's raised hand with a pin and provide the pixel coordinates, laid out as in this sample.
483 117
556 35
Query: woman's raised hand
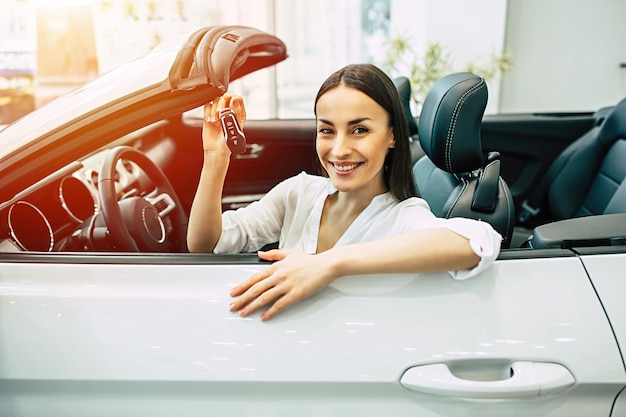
212 135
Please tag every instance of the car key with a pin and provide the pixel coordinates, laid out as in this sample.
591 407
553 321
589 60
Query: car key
235 139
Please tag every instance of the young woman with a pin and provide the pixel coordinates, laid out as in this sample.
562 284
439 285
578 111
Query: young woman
362 216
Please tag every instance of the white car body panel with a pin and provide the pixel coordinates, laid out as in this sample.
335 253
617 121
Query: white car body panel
607 273
159 340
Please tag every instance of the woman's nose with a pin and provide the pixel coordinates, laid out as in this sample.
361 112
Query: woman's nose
341 146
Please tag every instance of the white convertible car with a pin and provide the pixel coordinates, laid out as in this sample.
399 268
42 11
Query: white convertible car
103 313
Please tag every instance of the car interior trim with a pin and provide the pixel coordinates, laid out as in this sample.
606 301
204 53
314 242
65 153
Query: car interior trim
131 258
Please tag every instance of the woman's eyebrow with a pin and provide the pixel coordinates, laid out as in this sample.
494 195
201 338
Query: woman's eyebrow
359 120
350 123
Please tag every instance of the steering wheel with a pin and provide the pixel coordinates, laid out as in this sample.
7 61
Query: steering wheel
155 223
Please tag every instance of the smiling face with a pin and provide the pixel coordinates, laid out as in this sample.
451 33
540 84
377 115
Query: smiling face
353 138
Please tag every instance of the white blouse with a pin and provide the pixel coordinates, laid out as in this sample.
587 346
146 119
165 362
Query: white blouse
290 214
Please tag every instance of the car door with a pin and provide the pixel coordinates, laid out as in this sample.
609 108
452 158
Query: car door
153 336
605 270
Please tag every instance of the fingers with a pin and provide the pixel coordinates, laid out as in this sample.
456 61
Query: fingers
273 255
280 304
259 289
209 110
212 135
212 109
263 293
293 277
247 284
236 103
263 299
255 292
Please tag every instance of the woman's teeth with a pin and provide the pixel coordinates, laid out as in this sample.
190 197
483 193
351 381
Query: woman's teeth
344 168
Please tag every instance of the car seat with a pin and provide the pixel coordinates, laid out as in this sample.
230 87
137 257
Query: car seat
403 85
452 177
588 177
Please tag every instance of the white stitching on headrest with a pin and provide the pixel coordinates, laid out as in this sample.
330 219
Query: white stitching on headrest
455 115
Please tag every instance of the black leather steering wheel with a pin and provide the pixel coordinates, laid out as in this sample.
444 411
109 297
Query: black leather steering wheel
155 223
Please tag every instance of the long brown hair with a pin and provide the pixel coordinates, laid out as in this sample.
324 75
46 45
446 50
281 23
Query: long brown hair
373 82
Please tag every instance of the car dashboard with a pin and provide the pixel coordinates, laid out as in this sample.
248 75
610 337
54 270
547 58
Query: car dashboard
49 215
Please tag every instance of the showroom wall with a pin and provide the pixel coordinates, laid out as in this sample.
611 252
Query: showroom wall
568 55
564 55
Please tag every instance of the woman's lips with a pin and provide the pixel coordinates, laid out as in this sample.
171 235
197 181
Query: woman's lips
345 167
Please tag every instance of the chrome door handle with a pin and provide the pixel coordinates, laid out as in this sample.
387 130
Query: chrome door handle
253 151
527 379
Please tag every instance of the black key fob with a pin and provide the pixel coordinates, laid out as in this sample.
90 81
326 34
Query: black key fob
233 134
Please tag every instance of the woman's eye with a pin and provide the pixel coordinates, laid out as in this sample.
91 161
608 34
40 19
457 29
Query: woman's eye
325 131
360 130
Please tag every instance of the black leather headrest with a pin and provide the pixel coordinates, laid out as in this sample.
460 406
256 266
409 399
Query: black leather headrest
403 85
449 123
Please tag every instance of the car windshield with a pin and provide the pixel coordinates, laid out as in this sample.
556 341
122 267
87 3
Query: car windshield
129 80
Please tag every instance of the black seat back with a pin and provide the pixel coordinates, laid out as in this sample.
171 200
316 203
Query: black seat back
454 177
403 85
589 176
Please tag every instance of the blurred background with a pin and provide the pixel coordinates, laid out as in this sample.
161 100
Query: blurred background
533 53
